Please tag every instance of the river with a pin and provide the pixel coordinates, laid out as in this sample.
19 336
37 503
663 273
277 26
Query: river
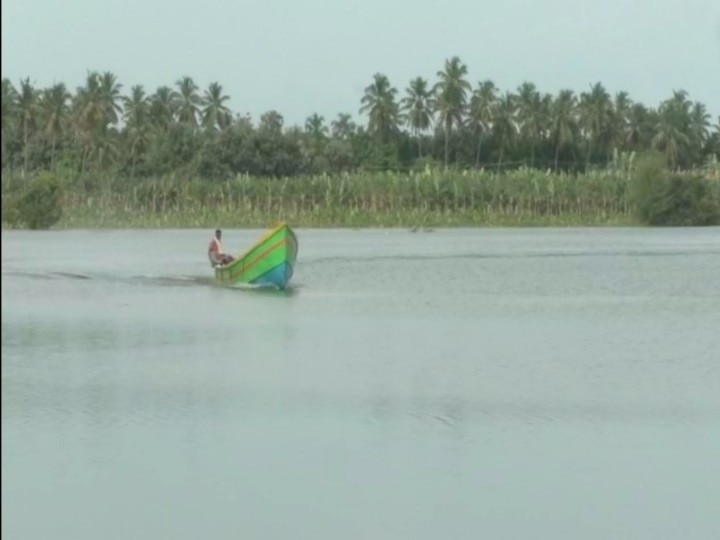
461 383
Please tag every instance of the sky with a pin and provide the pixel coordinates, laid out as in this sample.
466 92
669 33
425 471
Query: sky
305 56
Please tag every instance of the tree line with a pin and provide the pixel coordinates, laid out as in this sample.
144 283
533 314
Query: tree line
449 121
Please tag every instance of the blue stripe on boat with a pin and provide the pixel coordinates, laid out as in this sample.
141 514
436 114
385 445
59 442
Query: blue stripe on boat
278 276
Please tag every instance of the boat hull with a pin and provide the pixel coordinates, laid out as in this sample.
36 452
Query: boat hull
270 262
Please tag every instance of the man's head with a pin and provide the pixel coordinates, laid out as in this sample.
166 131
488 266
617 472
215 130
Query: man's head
218 233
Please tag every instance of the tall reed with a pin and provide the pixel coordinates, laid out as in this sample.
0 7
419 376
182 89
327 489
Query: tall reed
427 198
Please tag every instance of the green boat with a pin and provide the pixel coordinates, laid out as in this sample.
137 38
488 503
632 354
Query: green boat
269 262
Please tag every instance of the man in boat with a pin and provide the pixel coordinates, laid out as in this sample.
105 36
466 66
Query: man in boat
215 252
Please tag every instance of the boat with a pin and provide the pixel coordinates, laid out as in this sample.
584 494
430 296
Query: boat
270 262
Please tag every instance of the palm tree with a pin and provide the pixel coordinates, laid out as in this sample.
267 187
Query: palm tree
482 113
417 107
317 132
570 125
699 126
531 115
505 127
343 127
640 126
28 108
9 107
595 109
90 111
97 106
88 103
451 97
137 123
563 123
110 99
271 121
620 120
104 150
315 126
136 107
162 108
56 112
382 109
672 132
546 108
215 113
187 102
9 101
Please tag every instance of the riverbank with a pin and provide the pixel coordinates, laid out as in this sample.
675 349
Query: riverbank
96 218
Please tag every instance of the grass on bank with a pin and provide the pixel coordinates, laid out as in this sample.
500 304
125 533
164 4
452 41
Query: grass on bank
524 197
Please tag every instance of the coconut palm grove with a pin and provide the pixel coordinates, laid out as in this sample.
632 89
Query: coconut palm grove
444 150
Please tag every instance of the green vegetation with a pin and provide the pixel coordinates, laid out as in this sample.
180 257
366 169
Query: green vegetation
427 198
37 207
447 153
672 199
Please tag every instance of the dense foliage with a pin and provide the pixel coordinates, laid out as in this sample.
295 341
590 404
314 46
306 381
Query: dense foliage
36 207
418 199
440 152
663 198
100 129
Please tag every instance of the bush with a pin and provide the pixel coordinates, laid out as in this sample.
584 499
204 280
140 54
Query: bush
39 207
10 214
665 199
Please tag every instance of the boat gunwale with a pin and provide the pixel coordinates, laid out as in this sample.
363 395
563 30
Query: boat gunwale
259 242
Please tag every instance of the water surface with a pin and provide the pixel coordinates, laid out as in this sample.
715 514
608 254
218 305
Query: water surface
501 383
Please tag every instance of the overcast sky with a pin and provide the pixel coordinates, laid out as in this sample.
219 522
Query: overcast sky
305 56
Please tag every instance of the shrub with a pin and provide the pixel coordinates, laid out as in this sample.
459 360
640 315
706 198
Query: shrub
661 198
39 207
10 214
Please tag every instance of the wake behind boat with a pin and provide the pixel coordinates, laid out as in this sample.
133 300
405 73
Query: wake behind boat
270 261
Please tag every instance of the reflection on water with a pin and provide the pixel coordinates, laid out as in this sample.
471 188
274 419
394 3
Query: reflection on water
460 384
